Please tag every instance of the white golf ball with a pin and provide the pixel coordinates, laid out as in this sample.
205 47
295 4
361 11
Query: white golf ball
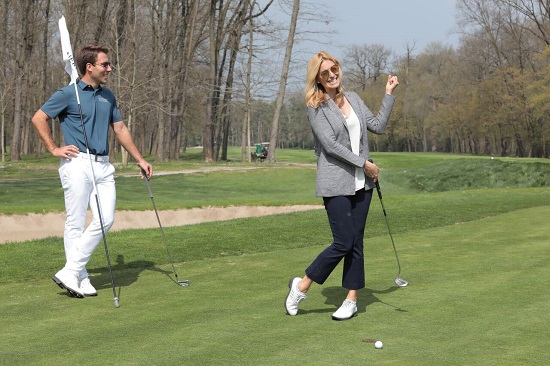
378 344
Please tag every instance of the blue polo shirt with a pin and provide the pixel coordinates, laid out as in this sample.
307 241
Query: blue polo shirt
99 110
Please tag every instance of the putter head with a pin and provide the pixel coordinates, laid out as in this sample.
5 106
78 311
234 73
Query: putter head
401 282
183 282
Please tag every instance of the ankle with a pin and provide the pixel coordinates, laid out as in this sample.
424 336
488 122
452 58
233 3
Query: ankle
304 284
351 298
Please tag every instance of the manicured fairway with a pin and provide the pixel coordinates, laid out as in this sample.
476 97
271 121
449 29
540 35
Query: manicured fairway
476 259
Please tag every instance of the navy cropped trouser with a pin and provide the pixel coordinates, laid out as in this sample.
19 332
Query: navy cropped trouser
347 216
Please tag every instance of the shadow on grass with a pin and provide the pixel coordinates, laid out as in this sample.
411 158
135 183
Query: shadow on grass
335 295
124 274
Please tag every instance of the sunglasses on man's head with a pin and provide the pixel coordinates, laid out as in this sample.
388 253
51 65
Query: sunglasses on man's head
335 69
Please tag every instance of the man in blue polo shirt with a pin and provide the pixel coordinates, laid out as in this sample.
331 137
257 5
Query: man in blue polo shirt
78 169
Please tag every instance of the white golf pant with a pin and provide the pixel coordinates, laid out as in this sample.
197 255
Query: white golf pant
77 182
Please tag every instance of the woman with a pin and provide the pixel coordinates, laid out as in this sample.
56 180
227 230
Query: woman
345 178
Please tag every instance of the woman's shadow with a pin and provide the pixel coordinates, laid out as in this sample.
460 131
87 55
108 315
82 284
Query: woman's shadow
335 295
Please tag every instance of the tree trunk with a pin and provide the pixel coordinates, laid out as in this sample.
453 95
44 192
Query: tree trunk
102 21
245 135
234 42
23 52
282 85
207 131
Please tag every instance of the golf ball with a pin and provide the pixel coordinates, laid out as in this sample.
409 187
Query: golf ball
378 344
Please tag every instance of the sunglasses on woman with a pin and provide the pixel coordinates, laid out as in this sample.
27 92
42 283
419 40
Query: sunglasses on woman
335 69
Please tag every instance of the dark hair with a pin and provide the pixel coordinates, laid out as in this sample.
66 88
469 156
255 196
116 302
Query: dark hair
88 55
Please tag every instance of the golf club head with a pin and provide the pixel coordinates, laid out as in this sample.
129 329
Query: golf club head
401 282
183 282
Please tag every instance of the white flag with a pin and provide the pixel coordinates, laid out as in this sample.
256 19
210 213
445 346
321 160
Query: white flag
70 66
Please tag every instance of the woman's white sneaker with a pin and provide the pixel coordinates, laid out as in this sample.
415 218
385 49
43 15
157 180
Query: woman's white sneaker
347 310
294 296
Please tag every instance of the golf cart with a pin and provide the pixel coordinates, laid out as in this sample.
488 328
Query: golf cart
261 152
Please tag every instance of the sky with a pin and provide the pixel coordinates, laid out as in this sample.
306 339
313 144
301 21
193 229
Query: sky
392 23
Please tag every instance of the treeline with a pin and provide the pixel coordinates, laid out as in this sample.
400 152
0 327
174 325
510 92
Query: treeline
205 72
488 96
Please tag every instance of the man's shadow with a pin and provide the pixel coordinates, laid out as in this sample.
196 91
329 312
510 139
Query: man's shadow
365 297
124 274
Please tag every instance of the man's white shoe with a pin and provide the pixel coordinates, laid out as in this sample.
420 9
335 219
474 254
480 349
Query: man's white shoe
87 288
347 310
69 281
294 296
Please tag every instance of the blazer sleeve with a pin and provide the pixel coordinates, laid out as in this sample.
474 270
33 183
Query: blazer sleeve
325 134
377 124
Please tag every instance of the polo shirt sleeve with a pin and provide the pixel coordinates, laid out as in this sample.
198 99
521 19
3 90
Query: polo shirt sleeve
56 104
116 114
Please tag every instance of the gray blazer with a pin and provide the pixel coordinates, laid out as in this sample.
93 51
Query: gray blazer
336 162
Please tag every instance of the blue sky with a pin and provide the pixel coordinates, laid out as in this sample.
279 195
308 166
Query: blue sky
392 23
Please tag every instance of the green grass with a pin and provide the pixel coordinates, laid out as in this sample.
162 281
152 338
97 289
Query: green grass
46 165
264 186
475 254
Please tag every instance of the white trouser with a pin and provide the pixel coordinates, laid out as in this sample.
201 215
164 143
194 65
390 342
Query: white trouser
77 182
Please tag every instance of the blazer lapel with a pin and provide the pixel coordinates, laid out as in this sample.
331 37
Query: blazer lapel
333 113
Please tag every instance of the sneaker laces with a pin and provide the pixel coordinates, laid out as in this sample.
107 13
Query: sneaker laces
297 295
348 304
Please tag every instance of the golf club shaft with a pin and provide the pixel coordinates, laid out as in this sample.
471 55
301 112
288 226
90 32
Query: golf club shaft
161 228
389 229
379 191
115 298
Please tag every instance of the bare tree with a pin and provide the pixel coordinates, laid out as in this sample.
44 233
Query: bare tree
25 35
282 85
538 12
103 19
356 74
233 42
190 37
218 14
225 31
367 62
245 134
4 83
45 37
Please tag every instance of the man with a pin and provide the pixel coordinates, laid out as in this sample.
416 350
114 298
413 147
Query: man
78 169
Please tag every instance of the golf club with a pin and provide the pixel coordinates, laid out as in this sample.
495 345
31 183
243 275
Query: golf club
398 280
179 282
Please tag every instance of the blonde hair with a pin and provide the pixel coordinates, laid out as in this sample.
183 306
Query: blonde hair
315 92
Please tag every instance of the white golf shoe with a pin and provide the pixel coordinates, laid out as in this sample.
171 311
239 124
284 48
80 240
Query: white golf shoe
294 296
69 281
87 288
347 310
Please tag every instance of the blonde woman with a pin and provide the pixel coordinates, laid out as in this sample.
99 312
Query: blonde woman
345 178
